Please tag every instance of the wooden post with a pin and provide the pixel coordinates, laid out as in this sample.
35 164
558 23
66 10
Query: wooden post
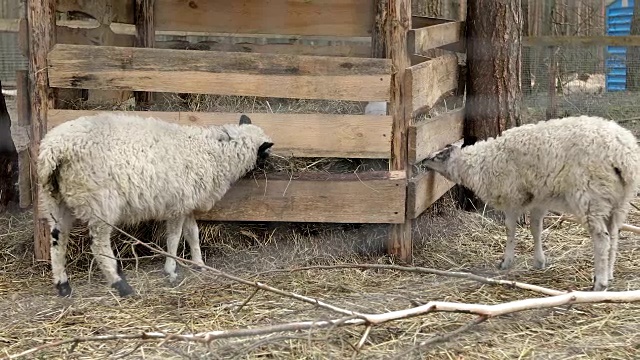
24 120
396 22
145 37
41 20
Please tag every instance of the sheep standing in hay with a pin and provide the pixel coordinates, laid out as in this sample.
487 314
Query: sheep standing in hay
586 166
124 169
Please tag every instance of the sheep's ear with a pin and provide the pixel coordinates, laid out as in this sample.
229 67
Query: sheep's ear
244 119
264 149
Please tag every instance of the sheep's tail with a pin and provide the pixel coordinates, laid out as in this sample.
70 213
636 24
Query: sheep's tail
49 160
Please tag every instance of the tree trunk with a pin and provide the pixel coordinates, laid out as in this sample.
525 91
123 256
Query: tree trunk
633 53
8 160
494 61
494 35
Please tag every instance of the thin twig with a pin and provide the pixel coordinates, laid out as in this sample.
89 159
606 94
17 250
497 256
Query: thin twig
443 337
256 284
255 291
423 270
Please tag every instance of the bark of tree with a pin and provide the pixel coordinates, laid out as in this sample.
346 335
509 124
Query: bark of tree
633 53
8 160
494 93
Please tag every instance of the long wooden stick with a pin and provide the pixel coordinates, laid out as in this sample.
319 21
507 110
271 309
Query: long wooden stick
624 227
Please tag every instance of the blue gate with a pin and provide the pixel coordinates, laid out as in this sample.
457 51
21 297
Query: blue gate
618 23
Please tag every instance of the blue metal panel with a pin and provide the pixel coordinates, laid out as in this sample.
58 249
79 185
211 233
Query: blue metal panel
618 23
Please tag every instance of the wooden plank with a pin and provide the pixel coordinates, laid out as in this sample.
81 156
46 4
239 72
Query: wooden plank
366 197
24 120
146 38
9 25
104 12
434 134
222 73
299 135
42 35
318 17
595 40
429 80
449 34
345 50
397 24
423 190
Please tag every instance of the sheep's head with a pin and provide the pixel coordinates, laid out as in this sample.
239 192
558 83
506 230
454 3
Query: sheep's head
258 136
443 162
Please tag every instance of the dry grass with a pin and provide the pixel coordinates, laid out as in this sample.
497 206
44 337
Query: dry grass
32 315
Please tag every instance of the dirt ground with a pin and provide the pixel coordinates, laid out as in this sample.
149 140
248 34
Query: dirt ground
448 239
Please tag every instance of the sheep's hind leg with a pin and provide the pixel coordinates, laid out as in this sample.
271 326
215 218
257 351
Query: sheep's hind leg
601 238
192 235
174 232
103 253
539 259
511 219
60 223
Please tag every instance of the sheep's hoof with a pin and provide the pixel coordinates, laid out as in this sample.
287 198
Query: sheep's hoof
598 285
124 289
540 264
505 264
173 277
198 268
64 289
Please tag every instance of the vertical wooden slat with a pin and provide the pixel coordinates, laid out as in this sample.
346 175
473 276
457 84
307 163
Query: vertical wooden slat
41 18
24 120
397 22
145 37
378 48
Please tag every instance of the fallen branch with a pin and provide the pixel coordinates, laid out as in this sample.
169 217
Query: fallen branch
423 270
624 227
255 284
484 311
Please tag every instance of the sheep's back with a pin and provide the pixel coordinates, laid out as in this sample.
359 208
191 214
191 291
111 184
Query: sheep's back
136 170
556 159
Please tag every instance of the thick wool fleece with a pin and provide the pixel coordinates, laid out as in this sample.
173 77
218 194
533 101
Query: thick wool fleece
124 169
563 161
586 166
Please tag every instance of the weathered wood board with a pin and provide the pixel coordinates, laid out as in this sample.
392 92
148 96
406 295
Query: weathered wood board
430 135
222 73
299 135
317 17
429 80
369 197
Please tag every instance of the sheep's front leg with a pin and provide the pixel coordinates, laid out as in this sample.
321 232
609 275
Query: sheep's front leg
511 219
103 253
192 235
600 237
539 260
174 232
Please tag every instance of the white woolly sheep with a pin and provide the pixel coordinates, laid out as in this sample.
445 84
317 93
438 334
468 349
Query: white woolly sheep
124 169
586 166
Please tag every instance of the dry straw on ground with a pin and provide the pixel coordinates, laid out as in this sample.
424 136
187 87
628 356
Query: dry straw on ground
451 240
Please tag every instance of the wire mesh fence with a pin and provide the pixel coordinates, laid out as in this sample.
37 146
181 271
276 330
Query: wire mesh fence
563 76
11 59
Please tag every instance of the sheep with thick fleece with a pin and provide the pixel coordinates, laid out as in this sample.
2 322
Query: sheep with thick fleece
113 168
586 166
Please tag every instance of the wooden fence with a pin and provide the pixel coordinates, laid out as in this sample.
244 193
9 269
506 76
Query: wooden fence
397 65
